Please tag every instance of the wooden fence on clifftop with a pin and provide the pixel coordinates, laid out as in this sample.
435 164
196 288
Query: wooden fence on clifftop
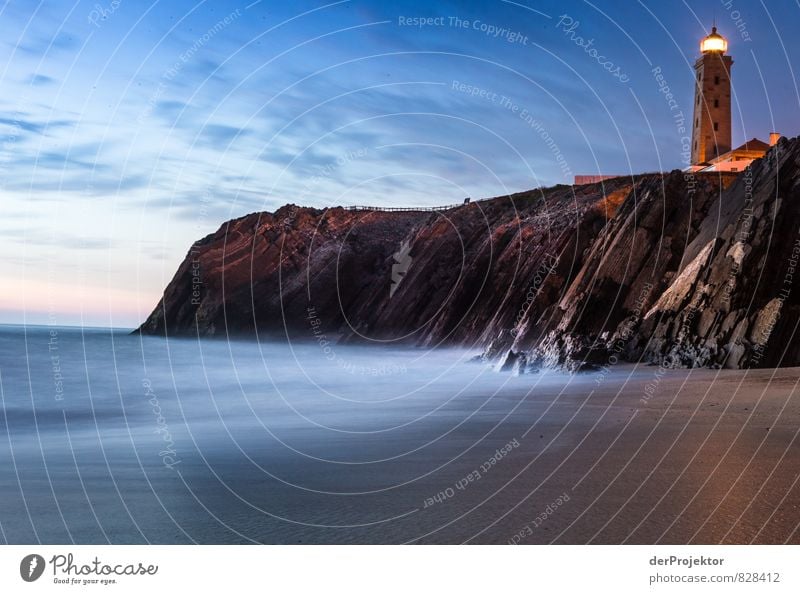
414 208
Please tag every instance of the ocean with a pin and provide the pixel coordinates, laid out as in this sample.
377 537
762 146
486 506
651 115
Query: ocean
108 437
111 437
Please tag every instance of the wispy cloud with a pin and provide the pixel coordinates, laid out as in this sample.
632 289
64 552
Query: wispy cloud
164 128
41 80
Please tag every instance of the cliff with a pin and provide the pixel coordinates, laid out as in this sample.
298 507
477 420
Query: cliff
680 269
735 301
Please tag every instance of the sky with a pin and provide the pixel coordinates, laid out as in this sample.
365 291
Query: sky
130 129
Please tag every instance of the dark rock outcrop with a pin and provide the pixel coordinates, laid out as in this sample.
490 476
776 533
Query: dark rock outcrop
679 269
736 299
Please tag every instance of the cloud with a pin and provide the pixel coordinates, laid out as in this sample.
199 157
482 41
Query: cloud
170 110
84 156
219 136
23 122
215 204
41 80
32 236
62 160
44 44
75 185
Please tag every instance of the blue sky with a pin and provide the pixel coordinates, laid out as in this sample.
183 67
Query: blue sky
130 129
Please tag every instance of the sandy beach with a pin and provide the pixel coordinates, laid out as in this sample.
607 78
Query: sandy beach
708 457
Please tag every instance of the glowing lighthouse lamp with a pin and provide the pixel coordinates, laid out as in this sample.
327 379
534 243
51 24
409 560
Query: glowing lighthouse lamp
714 43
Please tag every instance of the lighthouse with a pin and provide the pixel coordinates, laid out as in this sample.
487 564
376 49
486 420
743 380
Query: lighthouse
711 127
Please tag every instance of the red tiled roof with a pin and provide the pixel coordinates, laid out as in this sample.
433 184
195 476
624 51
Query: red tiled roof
754 144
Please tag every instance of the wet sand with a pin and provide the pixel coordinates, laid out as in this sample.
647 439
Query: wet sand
691 457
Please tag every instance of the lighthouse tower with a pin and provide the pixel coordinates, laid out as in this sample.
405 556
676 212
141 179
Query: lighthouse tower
711 127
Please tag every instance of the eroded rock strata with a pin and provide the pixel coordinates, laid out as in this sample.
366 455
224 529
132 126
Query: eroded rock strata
679 269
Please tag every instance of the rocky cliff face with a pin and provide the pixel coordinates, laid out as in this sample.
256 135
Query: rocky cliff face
736 299
678 269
